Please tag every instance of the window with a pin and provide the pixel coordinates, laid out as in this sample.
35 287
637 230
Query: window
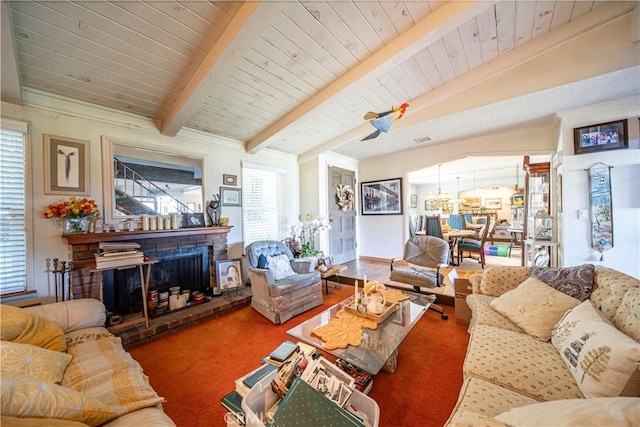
263 210
13 207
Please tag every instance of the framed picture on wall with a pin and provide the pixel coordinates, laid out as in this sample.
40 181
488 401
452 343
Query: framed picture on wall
382 197
413 200
230 196
66 165
601 137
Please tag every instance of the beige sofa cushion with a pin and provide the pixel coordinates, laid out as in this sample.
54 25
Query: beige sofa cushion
496 281
26 396
484 314
627 317
612 411
45 365
519 362
480 399
611 287
74 314
603 360
535 307
19 325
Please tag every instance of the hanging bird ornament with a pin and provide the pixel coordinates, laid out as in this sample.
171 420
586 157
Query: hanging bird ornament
383 121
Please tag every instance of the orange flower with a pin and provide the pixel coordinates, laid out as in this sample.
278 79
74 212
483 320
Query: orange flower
72 208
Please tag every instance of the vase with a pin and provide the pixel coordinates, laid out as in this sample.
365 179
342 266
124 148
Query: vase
75 225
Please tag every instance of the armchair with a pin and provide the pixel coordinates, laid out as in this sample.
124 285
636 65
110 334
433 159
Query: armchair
280 295
420 265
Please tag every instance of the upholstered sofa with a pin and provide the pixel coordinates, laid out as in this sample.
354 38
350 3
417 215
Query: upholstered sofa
60 366
526 331
282 287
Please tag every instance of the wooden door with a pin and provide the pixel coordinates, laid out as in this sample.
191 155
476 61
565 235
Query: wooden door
342 236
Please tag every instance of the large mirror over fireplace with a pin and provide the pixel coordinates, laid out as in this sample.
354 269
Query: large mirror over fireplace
141 179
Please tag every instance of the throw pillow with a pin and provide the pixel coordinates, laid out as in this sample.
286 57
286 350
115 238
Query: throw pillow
535 307
262 262
611 411
280 266
20 326
603 360
45 365
25 396
573 281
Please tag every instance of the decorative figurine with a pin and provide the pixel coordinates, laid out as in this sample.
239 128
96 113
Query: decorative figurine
214 210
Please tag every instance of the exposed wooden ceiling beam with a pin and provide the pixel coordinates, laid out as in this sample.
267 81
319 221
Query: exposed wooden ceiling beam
246 25
10 81
434 26
419 111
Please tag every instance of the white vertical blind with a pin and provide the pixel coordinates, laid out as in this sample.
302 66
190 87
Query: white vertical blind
13 236
264 204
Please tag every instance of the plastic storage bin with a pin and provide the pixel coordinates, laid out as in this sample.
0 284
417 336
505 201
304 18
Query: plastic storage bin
261 399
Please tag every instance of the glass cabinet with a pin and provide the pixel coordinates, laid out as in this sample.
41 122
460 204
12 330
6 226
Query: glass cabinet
539 248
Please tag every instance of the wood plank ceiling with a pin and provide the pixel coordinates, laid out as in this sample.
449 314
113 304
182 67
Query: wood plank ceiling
294 76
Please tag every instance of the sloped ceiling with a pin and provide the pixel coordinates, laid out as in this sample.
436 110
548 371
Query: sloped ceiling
298 76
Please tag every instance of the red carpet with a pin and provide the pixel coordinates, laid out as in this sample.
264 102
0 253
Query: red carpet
196 367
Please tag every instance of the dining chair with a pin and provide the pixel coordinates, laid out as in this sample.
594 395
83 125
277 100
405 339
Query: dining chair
434 226
412 226
457 222
476 246
420 223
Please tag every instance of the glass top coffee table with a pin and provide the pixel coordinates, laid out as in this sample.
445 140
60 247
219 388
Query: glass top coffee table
378 345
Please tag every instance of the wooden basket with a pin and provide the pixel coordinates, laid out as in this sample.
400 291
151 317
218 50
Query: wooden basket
378 318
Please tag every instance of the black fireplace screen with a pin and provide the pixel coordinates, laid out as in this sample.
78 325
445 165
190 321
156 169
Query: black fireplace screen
187 268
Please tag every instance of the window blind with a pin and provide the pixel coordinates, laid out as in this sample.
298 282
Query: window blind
264 204
13 236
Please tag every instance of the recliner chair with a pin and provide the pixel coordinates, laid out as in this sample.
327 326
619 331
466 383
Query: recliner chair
420 265
281 299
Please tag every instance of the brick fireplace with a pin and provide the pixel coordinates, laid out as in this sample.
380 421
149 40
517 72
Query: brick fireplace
188 255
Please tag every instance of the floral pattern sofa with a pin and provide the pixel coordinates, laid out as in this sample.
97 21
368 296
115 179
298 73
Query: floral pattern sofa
552 347
60 366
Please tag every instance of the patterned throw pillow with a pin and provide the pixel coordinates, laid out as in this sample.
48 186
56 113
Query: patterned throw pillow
280 266
573 281
603 360
25 396
43 364
20 326
535 307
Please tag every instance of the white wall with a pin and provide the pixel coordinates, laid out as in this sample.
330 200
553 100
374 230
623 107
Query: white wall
223 157
575 240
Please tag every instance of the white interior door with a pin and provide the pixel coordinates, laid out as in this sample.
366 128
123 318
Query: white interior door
342 236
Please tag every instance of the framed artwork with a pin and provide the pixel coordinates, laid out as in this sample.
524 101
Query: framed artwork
230 196
600 208
229 179
327 261
192 220
228 274
601 137
66 166
382 197
414 200
493 203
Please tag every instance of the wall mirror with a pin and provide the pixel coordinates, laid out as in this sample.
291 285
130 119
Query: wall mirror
143 179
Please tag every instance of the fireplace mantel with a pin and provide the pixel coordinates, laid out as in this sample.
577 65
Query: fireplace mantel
88 238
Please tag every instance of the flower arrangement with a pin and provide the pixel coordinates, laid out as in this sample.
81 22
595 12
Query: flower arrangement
302 238
72 208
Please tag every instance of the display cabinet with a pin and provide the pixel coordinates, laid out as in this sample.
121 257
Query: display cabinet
539 245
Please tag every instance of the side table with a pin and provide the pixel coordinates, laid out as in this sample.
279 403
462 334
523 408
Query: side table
462 288
144 286
333 272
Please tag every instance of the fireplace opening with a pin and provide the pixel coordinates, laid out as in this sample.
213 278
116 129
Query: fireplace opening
187 268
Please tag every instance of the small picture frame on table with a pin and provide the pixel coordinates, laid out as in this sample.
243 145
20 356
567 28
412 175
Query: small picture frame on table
327 261
601 137
193 220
